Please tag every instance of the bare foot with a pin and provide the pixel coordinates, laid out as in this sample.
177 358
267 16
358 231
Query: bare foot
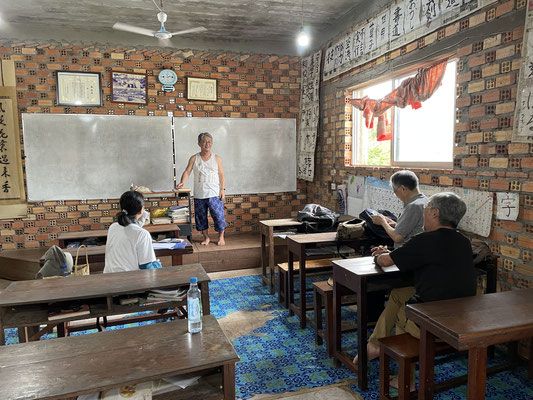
221 241
372 352
394 383
206 241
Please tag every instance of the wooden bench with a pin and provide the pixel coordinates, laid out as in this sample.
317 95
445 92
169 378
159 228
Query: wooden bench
323 297
404 349
98 362
310 265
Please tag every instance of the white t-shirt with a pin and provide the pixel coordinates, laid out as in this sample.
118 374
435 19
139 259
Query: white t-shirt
206 181
127 247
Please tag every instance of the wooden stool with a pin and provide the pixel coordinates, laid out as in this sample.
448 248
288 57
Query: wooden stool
323 297
283 271
404 349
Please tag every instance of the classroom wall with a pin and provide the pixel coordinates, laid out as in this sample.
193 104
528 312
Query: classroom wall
488 45
249 86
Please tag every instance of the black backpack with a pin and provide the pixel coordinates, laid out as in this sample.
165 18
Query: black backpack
317 218
377 232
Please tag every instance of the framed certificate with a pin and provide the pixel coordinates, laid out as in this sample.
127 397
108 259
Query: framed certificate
78 89
201 89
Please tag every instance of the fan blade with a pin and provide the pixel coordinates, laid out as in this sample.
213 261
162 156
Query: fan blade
199 29
134 29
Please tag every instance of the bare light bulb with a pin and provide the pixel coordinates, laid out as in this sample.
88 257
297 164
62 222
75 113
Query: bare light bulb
303 38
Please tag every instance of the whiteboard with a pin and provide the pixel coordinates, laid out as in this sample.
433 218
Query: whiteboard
258 155
80 156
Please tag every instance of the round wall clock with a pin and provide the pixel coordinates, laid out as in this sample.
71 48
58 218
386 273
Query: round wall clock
168 78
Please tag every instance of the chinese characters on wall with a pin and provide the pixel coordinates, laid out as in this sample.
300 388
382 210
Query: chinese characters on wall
309 114
402 22
523 131
9 173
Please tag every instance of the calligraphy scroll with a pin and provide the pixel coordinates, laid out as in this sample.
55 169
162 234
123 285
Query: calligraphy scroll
12 194
400 23
310 110
523 131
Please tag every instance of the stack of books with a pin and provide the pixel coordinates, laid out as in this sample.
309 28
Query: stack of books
178 214
161 220
167 295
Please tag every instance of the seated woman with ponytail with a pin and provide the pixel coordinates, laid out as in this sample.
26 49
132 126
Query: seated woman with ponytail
129 246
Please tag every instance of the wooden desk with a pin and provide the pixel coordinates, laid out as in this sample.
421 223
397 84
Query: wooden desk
26 303
266 230
473 324
102 361
97 254
296 245
66 237
359 276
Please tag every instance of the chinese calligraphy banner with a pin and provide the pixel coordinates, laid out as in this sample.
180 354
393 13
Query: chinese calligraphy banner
12 194
507 208
309 114
402 22
523 131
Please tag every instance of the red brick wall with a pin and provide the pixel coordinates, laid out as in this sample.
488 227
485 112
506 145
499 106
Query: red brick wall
250 86
484 157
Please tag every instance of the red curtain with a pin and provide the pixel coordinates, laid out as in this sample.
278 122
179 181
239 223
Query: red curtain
412 91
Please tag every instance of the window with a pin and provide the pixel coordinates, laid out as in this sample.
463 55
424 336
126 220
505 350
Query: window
420 138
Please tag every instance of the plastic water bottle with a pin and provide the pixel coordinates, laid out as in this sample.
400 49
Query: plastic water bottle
64 271
194 307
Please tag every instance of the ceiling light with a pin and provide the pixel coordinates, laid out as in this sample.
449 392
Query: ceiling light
303 38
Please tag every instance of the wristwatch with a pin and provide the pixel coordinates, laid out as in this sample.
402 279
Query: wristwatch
376 260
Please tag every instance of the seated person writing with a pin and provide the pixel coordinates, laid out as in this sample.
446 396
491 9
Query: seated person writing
440 263
129 246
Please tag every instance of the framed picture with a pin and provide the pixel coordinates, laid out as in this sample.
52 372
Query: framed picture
129 87
201 89
78 89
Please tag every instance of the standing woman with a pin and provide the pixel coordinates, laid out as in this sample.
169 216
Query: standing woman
129 246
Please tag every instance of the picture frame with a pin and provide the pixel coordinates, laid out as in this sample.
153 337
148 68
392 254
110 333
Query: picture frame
75 88
201 89
129 87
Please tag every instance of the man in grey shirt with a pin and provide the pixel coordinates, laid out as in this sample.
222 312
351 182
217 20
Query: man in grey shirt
411 222
405 186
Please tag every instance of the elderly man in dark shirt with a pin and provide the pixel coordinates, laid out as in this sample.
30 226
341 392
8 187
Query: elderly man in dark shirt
439 262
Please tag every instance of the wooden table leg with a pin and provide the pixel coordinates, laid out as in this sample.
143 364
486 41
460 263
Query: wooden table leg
2 335
204 289
303 303
362 360
289 294
263 256
271 259
427 360
177 259
228 374
477 373
530 369
329 322
318 316
337 328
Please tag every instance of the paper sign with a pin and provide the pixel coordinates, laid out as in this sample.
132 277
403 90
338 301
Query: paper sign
507 208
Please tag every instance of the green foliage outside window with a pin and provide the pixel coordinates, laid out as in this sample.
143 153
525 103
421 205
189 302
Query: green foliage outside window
378 152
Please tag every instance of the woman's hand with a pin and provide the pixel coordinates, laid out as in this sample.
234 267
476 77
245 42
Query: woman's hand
222 196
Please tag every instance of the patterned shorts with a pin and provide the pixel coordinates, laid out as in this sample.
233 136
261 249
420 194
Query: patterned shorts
216 209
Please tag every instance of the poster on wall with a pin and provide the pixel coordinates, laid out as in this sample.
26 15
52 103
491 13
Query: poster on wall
507 206
400 23
12 193
310 112
523 129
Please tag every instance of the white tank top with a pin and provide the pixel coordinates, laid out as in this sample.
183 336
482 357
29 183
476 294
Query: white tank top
206 182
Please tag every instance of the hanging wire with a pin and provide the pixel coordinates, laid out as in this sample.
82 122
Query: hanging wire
159 8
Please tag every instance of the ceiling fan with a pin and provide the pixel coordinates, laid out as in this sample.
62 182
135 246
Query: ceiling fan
162 33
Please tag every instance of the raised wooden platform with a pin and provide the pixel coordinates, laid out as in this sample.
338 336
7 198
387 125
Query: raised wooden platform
241 251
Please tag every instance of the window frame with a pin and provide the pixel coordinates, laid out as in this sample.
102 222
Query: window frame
393 163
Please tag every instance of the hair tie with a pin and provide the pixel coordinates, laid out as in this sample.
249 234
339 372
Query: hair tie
124 211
